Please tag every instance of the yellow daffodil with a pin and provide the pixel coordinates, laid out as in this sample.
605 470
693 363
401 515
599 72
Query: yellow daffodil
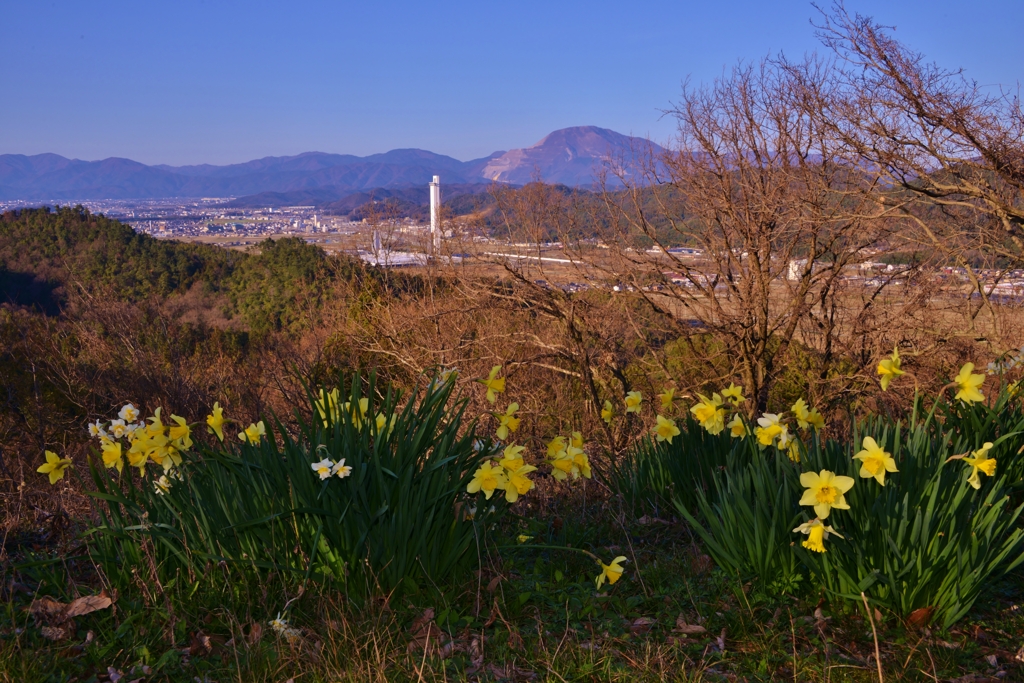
665 429
889 368
180 432
253 433
495 385
215 421
488 479
580 461
608 412
563 464
610 572
340 469
667 397
328 405
806 417
357 412
825 491
149 442
508 422
734 394
874 462
323 468
384 426
817 533
633 401
980 462
769 428
555 446
710 413
968 385
576 440
54 466
737 427
512 458
167 457
518 483
111 452
138 454
793 452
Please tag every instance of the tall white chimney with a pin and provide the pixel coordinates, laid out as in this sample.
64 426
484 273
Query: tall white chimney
435 224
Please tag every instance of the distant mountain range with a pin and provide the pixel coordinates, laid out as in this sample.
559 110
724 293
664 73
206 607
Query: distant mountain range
571 156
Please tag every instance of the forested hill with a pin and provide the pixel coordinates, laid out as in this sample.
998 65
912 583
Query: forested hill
48 256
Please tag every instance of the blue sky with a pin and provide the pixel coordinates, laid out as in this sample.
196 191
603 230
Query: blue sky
225 81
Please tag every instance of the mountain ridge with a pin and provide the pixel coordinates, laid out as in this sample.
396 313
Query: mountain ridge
570 156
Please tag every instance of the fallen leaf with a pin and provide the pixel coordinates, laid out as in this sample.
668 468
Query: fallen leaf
493 616
428 636
421 621
688 629
720 642
54 632
87 604
46 608
200 645
476 651
642 625
511 672
255 633
492 585
992 660
919 618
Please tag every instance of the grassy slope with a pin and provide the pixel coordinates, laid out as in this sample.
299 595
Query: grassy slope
542 616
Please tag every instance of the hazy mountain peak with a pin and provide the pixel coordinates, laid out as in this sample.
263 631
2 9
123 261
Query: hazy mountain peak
572 156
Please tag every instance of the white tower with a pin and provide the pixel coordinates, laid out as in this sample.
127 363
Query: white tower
435 224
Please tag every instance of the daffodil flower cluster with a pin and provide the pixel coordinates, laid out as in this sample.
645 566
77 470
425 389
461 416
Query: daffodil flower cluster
131 438
567 458
330 408
508 474
825 491
771 430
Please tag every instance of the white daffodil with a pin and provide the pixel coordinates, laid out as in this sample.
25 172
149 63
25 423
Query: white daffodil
324 468
118 429
162 485
129 413
279 624
96 430
341 470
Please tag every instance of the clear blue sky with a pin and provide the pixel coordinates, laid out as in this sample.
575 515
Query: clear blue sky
227 81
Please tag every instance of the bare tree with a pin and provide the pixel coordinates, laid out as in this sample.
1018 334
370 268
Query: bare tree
939 138
758 187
